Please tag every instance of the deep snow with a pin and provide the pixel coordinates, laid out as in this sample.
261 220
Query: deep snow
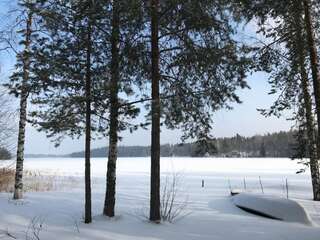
210 213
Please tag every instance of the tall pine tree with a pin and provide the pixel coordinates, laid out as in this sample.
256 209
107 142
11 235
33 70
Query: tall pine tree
196 66
287 61
126 61
69 68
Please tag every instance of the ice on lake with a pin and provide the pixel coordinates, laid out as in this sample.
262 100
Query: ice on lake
218 173
210 212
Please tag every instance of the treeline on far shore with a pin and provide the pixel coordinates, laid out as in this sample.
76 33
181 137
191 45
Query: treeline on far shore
280 144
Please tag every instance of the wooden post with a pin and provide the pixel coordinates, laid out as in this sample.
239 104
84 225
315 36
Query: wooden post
287 188
230 188
244 184
261 184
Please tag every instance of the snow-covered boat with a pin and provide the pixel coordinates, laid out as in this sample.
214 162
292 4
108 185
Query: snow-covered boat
272 207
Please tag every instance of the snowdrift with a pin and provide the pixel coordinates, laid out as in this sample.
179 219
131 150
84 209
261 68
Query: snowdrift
272 207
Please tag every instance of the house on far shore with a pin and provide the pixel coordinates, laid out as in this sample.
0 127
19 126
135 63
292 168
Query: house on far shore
236 154
206 154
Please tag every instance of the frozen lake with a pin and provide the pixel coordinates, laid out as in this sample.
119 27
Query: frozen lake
217 173
210 166
211 213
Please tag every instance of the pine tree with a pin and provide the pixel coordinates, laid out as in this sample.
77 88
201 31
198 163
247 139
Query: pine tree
69 67
155 114
262 150
314 64
80 78
88 100
114 112
289 72
197 66
311 133
127 60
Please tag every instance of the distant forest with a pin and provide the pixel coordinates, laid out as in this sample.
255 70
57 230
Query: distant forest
281 144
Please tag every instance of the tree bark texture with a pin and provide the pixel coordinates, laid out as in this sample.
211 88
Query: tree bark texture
18 186
109 205
88 214
155 112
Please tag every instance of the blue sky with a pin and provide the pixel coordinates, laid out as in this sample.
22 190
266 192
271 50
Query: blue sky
244 119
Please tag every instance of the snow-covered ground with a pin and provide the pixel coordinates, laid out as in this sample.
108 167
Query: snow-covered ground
210 213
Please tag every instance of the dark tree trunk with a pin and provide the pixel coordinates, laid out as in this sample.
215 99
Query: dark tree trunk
18 186
88 215
312 146
314 162
312 139
313 60
155 112
109 203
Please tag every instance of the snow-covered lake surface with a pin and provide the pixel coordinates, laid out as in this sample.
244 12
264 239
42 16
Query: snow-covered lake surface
210 211
189 165
219 174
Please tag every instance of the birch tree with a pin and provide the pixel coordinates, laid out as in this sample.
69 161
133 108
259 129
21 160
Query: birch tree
19 85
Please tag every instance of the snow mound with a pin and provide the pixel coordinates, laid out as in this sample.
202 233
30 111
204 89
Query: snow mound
272 207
